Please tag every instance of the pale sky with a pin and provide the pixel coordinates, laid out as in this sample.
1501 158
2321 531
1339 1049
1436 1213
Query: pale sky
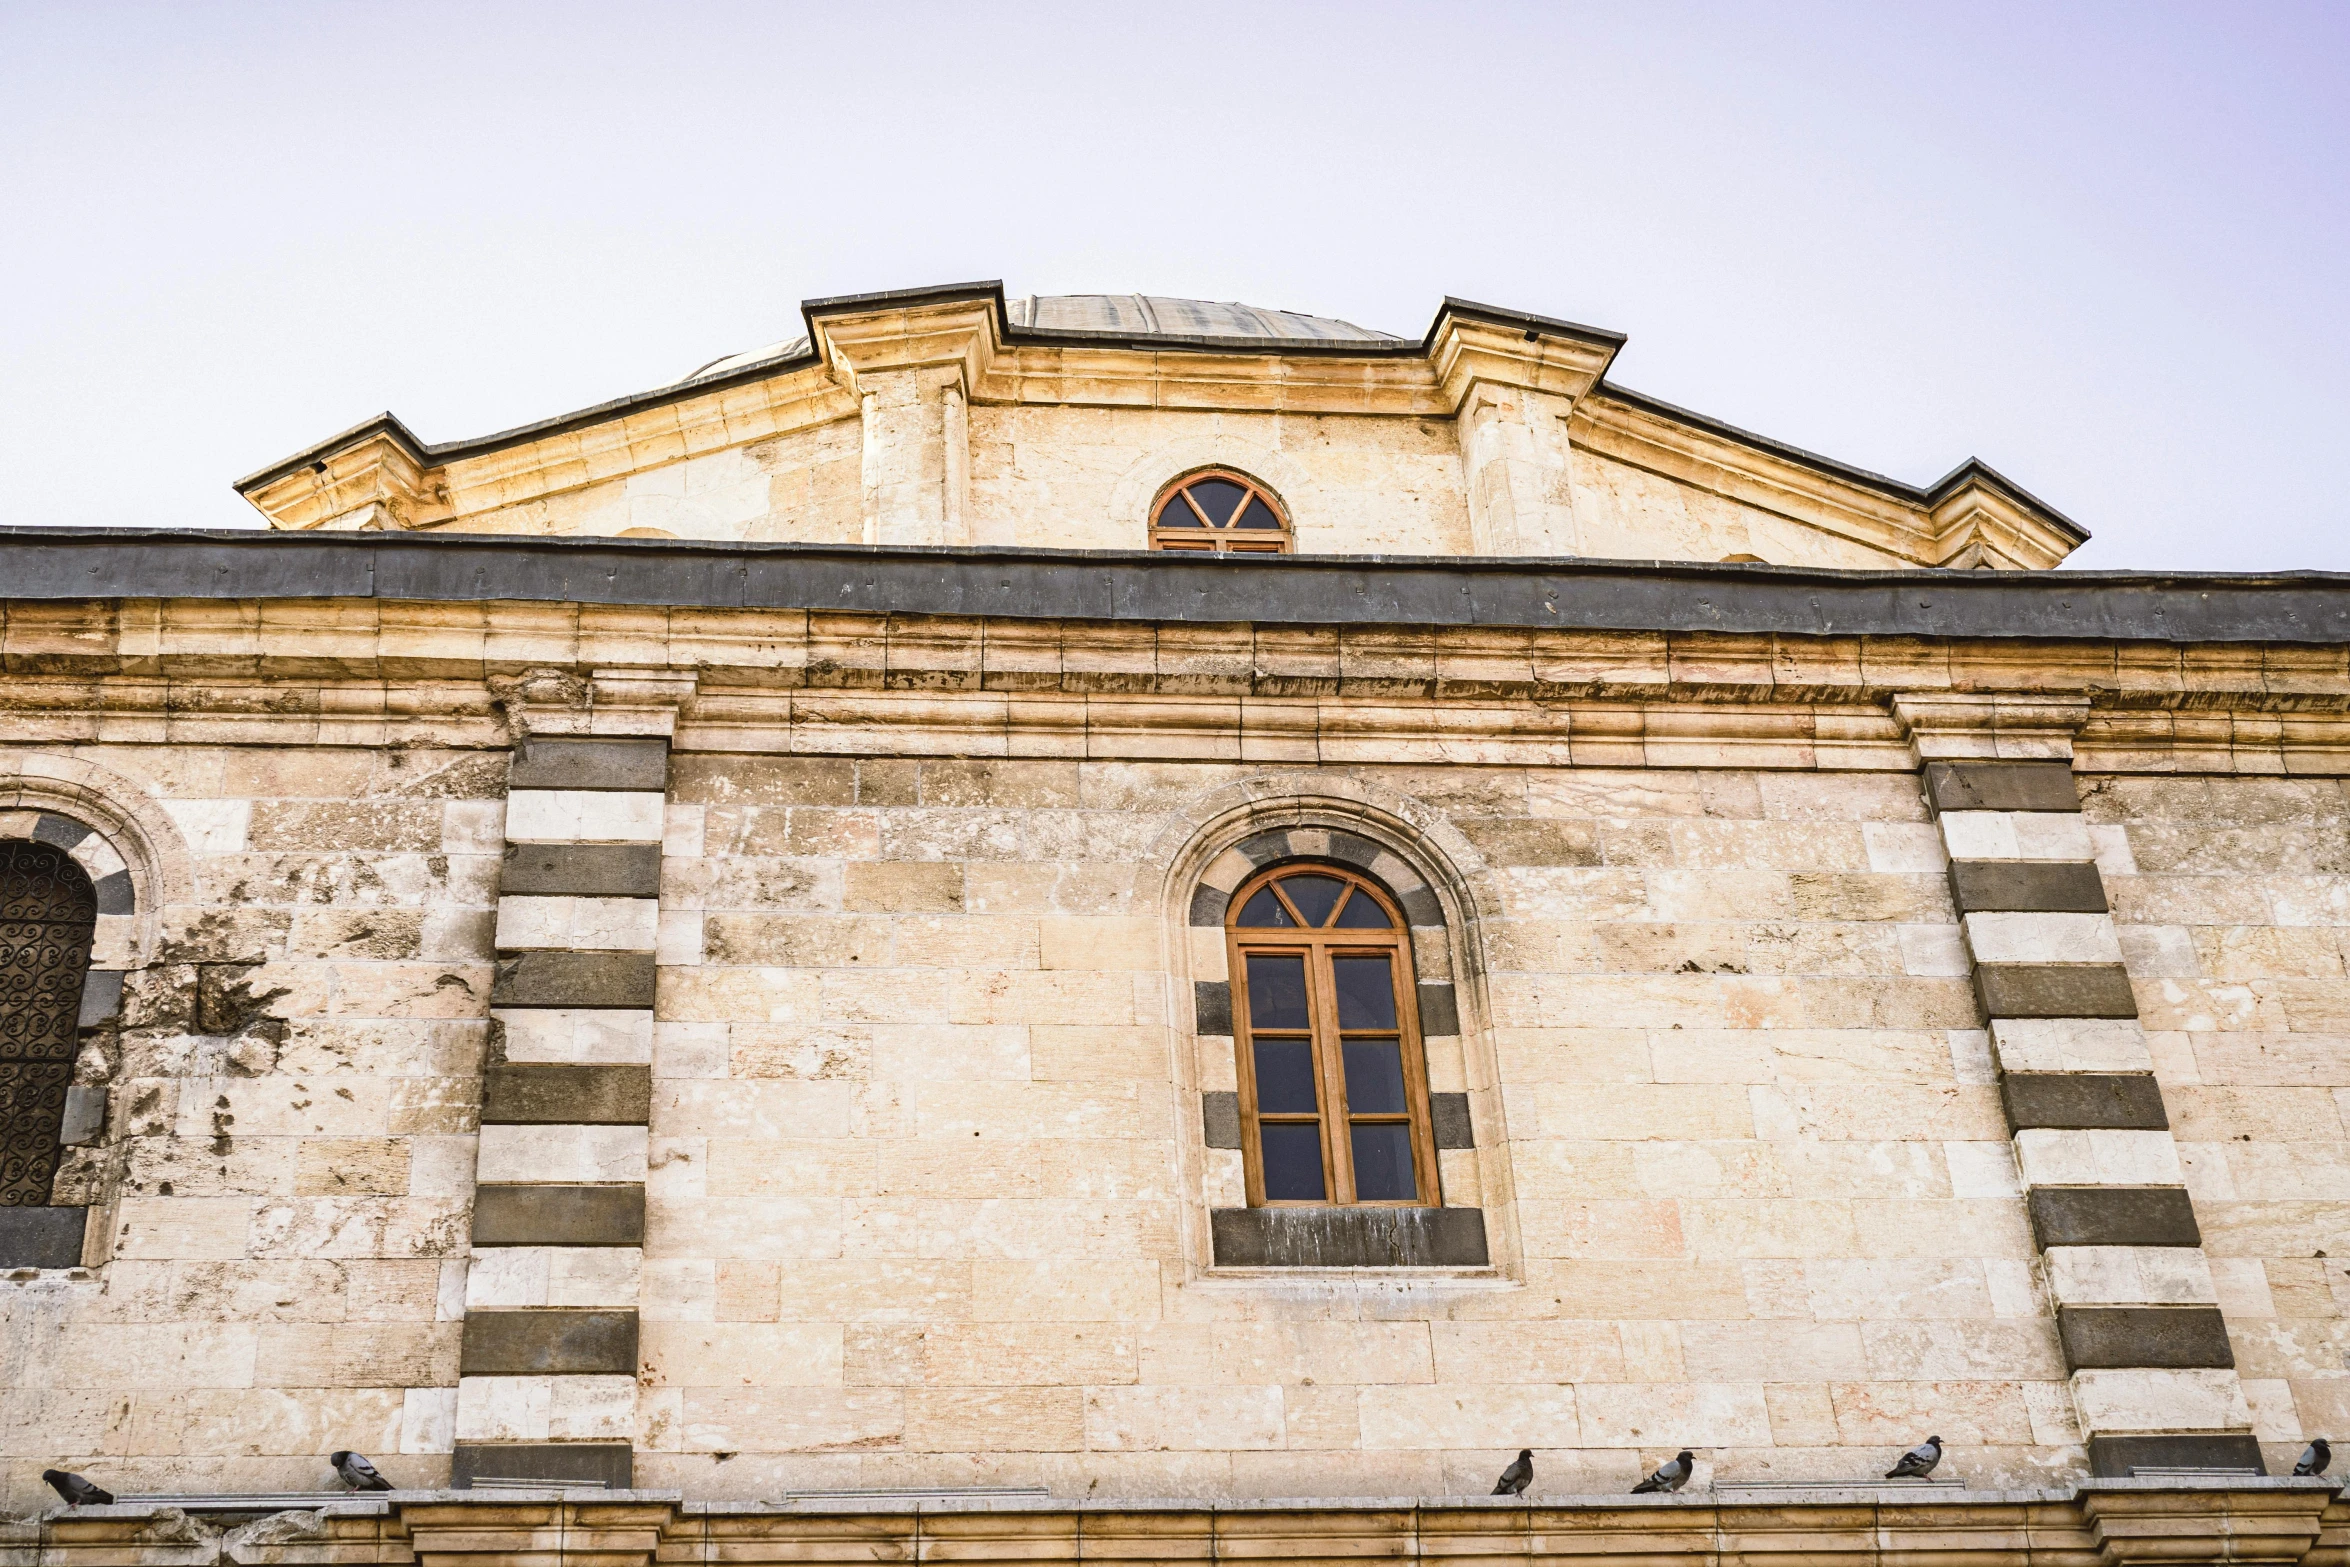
2104 248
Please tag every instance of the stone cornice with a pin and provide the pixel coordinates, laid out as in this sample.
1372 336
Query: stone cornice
2305 609
2289 1523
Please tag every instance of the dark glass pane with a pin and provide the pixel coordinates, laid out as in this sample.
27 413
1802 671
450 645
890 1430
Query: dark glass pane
1374 1076
1315 896
1366 997
1219 498
1293 1163
1362 912
1285 1077
1383 1163
1258 515
1177 513
1276 992
1264 912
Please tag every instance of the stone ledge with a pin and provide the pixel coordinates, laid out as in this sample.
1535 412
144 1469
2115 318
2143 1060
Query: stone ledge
1348 1237
610 1464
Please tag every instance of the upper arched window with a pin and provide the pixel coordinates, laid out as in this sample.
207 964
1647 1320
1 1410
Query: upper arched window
1218 509
1333 1083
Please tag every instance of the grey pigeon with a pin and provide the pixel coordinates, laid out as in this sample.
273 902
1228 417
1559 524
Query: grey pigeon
1918 1462
356 1471
2315 1457
1518 1476
77 1491
1669 1477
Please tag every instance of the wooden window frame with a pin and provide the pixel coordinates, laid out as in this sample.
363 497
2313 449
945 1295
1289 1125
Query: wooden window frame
1211 537
1333 1113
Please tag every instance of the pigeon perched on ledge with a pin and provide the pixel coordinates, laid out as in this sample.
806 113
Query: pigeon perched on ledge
1669 1477
1518 1476
77 1491
1918 1462
2315 1457
356 1471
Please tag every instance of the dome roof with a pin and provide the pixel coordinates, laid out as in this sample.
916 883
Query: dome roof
1126 316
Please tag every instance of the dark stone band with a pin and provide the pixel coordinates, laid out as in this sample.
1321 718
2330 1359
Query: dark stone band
2027 990
2023 887
1211 1006
603 980
582 870
2084 1101
2002 786
2098 1338
559 1216
2115 1457
1219 1111
1348 1237
567 1095
41 1237
608 1464
1449 1115
2112 1216
549 1343
632 762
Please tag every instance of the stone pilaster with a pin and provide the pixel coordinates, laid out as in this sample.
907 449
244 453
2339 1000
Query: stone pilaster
547 1380
2153 1377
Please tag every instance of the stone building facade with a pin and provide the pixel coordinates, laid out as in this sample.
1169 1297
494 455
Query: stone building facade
725 944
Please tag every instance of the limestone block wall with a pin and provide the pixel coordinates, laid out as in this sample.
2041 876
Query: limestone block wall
925 1155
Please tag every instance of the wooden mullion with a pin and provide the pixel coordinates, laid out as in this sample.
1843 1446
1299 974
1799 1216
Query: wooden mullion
1337 1146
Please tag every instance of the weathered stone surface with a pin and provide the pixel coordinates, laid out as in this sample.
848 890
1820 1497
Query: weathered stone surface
2096 1337
2035 990
574 979
569 762
1220 1118
2113 1216
559 1216
1449 1115
2001 786
1978 886
41 1237
606 1464
551 1342
585 870
2118 1100
1349 1237
598 1095
2117 1457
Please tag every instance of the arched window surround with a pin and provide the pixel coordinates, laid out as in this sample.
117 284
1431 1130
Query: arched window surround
1220 510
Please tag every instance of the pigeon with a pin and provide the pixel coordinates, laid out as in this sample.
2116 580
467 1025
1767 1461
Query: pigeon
1669 1477
1918 1462
356 1471
2315 1457
77 1491
1518 1476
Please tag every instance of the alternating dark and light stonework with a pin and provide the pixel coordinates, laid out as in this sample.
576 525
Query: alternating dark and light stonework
547 1385
2136 1308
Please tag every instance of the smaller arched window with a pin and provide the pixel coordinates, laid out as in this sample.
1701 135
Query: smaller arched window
1333 1082
1222 511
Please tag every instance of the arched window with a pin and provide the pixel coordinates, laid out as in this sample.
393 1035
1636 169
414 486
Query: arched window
1220 510
1333 1084
48 912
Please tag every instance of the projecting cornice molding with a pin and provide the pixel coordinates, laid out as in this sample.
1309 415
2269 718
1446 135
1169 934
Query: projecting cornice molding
1131 585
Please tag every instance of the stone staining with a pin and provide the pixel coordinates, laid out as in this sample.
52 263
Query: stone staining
2137 1311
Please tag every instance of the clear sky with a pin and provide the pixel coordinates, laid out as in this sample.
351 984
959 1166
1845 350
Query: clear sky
2106 248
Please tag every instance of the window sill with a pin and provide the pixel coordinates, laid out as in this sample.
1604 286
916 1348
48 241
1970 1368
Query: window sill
1348 1238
